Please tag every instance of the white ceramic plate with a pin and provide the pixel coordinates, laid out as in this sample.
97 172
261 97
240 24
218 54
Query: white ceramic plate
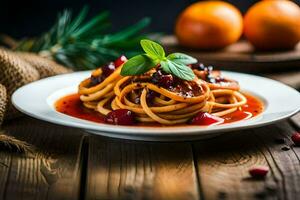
37 100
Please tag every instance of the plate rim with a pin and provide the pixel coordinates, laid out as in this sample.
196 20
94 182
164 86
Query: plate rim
132 131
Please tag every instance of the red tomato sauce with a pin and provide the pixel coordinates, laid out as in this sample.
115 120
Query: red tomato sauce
71 105
252 108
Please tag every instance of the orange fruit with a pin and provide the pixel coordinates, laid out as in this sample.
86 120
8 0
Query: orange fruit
273 25
209 25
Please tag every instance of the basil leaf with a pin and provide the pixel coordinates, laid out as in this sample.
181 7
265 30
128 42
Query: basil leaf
181 71
153 49
137 65
182 58
165 66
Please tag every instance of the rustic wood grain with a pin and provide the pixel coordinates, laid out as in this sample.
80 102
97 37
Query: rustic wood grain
285 163
217 168
291 78
138 170
282 66
51 171
223 164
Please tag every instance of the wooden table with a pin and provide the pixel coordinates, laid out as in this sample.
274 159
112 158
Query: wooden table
283 66
70 164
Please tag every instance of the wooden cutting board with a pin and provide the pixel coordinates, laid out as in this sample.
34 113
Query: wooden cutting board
241 57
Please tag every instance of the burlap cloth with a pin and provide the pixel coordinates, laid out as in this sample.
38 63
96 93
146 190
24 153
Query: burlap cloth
3 102
18 69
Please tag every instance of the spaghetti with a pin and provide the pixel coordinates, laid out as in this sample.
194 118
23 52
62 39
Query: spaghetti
160 97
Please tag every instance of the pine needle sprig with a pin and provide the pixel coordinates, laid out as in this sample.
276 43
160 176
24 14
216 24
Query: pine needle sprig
78 44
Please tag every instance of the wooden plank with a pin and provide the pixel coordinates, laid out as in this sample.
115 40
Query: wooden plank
285 163
291 78
139 170
223 164
240 56
52 171
240 51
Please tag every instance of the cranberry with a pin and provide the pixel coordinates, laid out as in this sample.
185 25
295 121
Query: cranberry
198 66
108 69
202 67
205 119
259 171
210 68
166 81
296 138
156 76
95 80
210 78
220 79
207 71
120 61
151 95
163 80
120 117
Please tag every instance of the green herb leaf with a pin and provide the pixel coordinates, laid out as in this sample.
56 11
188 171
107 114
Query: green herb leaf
86 44
181 71
127 33
153 49
137 65
182 58
174 64
165 66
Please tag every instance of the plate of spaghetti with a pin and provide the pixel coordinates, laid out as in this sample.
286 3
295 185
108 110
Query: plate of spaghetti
154 96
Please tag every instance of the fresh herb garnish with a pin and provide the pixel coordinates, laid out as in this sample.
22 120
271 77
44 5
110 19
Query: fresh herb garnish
175 63
81 44
142 63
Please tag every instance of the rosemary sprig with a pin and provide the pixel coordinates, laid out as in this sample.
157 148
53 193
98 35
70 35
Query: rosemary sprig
85 45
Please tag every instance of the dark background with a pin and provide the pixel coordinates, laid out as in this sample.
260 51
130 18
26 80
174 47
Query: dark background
32 17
